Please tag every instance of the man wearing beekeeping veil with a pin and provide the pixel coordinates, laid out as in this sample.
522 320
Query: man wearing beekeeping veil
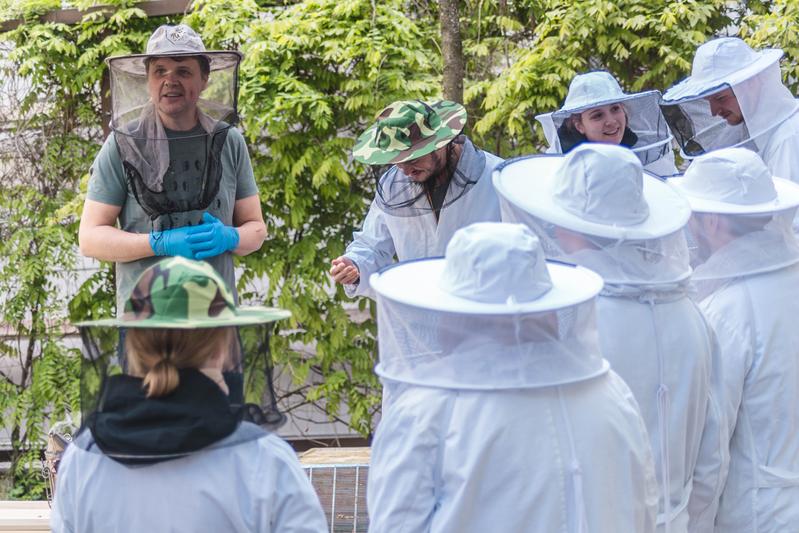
174 173
747 279
735 97
437 182
596 207
510 419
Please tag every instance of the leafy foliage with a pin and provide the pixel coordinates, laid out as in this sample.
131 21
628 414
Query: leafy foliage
52 79
644 43
776 28
37 373
314 75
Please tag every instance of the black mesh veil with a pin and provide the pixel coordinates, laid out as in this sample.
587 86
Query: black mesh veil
399 195
247 372
163 178
698 131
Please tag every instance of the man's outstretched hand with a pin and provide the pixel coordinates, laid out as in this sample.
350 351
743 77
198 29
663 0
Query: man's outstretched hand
344 270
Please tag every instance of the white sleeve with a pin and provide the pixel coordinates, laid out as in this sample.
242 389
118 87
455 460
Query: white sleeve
712 464
371 249
295 507
405 464
62 518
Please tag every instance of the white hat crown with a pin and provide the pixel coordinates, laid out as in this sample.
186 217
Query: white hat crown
721 57
731 175
592 87
494 262
602 183
175 40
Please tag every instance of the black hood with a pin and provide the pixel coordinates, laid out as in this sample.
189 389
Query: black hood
133 429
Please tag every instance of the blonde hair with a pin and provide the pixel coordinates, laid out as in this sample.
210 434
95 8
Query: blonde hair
157 354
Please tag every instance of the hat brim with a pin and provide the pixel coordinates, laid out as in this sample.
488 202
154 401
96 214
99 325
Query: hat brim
135 63
692 89
416 283
565 112
527 182
787 198
245 316
455 117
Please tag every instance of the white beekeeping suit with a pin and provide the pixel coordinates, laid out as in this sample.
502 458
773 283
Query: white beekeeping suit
646 132
404 220
509 418
597 208
770 124
747 278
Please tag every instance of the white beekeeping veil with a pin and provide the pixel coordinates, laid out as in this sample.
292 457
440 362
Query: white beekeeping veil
742 217
596 207
753 77
491 315
646 134
144 144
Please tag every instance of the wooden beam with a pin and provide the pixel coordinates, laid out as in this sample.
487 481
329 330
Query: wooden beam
153 8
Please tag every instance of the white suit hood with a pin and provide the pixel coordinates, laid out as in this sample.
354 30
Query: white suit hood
515 422
649 330
384 236
754 78
647 134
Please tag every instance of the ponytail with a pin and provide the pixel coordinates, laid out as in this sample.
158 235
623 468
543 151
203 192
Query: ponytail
157 354
161 379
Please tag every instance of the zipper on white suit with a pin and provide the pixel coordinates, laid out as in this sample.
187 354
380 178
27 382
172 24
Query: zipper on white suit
663 410
576 471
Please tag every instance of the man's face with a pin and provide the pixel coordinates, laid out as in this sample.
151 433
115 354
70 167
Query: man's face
423 168
603 124
725 105
175 86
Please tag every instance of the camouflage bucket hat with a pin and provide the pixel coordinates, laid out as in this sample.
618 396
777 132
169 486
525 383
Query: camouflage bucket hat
409 129
184 294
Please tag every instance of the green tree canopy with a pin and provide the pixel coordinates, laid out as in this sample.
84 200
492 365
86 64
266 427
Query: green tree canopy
315 74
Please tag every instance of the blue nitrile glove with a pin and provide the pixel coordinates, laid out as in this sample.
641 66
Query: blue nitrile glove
173 242
215 238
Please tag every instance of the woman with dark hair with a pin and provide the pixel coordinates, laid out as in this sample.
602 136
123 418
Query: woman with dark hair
167 443
597 110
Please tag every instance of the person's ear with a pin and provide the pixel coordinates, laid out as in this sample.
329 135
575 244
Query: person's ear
578 124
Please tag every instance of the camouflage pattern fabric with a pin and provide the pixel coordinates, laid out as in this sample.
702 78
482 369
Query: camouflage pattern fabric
184 294
409 129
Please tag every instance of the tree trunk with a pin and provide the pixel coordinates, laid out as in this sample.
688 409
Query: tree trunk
452 49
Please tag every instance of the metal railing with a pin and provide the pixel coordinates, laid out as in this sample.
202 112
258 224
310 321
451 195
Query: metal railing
342 492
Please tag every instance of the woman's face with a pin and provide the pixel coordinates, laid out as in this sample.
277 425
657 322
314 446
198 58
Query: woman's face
604 124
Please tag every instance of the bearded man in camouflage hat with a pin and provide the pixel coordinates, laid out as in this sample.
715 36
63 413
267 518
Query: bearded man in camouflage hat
437 183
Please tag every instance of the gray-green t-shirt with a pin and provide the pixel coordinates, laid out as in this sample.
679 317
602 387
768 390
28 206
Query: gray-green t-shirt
108 185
